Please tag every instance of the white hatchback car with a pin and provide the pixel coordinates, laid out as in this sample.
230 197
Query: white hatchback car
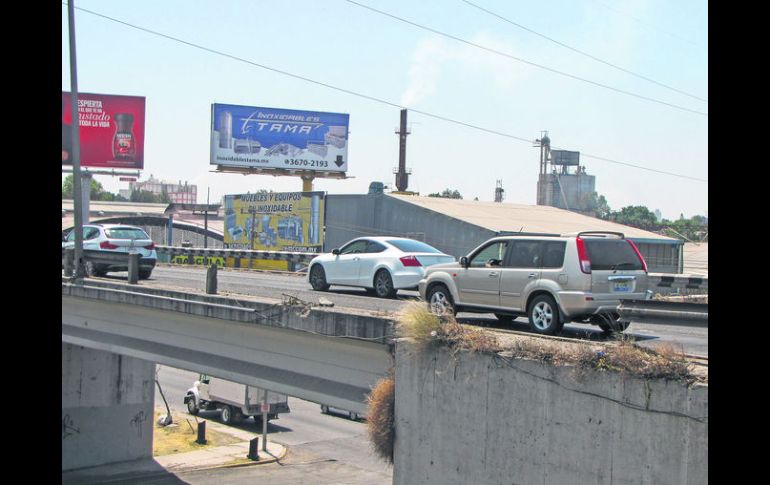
382 265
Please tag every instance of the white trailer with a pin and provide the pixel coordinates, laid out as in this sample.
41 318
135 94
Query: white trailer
233 400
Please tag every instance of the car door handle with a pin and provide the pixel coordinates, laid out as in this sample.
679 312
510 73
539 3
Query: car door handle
493 274
532 275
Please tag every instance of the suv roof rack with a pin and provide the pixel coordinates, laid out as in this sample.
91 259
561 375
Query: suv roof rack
516 233
600 233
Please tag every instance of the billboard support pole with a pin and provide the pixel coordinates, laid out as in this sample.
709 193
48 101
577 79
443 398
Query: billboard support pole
76 186
307 183
86 177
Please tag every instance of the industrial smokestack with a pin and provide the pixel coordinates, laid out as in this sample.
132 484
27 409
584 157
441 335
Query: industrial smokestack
402 178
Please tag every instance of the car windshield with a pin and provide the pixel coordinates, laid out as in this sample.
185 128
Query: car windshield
126 233
410 246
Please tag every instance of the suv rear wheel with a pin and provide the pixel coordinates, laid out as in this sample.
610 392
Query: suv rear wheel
544 316
610 322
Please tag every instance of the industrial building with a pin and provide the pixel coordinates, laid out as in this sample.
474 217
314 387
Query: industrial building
457 226
179 193
562 181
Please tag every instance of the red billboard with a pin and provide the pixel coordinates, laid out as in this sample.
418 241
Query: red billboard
111 130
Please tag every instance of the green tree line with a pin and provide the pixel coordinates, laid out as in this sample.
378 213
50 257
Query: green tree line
98 193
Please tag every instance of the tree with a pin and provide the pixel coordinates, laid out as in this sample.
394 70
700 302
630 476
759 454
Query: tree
635 216
143 196
447 194
595 204
97 190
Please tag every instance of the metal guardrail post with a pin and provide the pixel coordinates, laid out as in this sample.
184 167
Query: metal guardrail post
69 261
133 268
211 280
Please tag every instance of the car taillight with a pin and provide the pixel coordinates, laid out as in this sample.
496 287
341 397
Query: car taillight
151 246
409 261
107 245
639 254
585 261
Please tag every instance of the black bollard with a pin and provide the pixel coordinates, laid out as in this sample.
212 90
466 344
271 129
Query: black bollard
69 261
253 447
211 280
201 433
133 267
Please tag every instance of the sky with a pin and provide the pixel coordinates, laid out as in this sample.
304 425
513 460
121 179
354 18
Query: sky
347 46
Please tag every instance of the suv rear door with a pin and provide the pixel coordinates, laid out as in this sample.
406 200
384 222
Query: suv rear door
616 270
521 268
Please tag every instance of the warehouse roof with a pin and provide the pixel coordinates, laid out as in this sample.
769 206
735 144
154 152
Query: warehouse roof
498 217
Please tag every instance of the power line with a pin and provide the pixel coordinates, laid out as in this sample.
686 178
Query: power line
585 53
361 95
647 24
540 66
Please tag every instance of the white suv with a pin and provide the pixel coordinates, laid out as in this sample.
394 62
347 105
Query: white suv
577 277
117 238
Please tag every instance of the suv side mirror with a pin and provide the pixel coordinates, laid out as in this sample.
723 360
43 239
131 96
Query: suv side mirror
335 251
464 261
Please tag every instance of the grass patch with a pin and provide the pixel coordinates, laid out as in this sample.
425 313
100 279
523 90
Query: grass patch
167 440
380 424
417 323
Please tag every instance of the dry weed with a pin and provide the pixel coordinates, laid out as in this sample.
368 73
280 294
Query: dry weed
380 417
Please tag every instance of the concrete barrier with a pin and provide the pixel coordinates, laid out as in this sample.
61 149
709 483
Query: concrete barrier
676 283
480 418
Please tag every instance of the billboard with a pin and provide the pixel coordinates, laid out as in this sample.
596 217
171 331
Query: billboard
272 138
275 221
111 130
565 157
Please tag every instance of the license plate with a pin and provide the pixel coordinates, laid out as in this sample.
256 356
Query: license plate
621 287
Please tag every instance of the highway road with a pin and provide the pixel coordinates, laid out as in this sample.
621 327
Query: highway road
274 285
333 449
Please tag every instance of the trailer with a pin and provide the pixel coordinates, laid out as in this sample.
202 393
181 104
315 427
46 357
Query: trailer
234 400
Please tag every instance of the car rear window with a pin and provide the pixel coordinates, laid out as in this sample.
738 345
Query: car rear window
408 246
126 233
610 254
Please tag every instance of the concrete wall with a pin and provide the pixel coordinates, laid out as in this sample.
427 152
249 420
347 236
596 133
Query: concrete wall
352 216
107 407
477 419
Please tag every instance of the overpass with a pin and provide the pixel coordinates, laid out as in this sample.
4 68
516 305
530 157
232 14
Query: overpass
113 335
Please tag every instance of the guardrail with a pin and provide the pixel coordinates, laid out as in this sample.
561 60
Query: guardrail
665 312
673 283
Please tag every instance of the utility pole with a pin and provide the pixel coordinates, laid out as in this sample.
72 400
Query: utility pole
76 182
253 211
206 220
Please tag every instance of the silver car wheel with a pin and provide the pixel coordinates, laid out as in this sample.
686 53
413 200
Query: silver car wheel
542 315
439 304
